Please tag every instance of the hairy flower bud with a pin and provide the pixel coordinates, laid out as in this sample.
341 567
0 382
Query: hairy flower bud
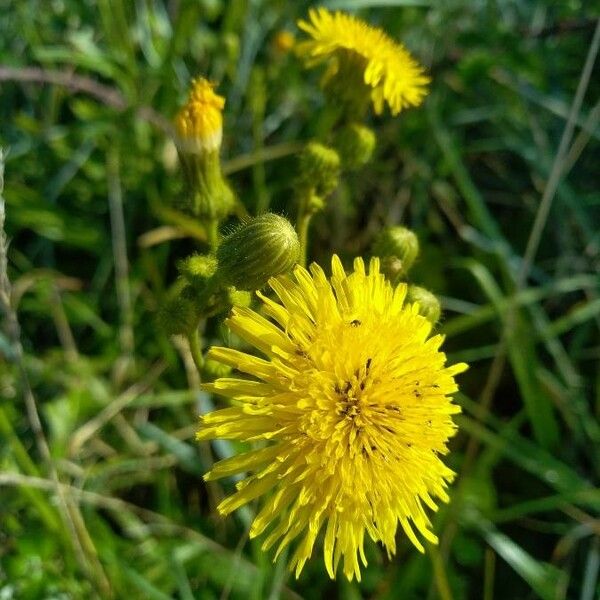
319 168
197 269
213 369
355 144
429 305
178 313
398 248
199 132
260 248
241 298
199 124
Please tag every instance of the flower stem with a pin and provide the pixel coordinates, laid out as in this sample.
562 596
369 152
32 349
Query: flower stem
302 224
196 349
212 234
439 573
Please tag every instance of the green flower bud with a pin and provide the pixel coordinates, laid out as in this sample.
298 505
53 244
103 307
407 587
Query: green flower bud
178 314
319 168
197 269
237 297
355 144
314 204
209 195
429 305
199 131
213 369
398 248
260 248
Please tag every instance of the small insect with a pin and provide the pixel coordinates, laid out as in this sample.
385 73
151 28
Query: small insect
355 323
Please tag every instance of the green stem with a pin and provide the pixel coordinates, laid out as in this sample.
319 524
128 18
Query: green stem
196 349
302 224
212 233
439 573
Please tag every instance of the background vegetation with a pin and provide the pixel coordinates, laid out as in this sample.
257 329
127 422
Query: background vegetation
100 479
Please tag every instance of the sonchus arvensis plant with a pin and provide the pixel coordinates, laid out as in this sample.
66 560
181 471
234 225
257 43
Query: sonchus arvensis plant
348 404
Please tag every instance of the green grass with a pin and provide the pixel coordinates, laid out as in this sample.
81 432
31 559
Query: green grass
100 479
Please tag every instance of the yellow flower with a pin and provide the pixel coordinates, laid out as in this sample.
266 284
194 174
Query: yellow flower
283 41
393 75
352 409
199 124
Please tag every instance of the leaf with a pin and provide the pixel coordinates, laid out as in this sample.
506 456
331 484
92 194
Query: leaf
542 577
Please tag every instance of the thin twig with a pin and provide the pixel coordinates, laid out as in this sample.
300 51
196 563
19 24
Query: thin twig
78 83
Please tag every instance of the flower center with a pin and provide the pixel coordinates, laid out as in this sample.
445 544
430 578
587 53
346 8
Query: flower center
349 394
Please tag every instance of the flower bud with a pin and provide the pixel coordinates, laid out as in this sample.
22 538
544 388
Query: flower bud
178 314
429 305
260 248
197 269
314 203
319 168
283 42
237 297
398 248
355 144
199 124
213 369
199 132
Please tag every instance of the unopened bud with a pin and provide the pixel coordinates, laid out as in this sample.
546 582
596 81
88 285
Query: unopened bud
319 168
314 203
429 305
199 132
260 248
178 314
283 41
213 369
398 248
198 268
355 144
199 124
241 298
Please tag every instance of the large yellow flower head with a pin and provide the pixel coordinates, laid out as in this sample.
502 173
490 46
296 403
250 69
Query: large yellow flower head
352 411
393 75
199 124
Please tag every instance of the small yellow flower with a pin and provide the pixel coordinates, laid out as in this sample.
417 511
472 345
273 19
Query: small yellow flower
283 41
393 75
199 124
352 411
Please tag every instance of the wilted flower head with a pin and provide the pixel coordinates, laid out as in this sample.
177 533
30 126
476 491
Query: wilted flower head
351 404
199 124
387 68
